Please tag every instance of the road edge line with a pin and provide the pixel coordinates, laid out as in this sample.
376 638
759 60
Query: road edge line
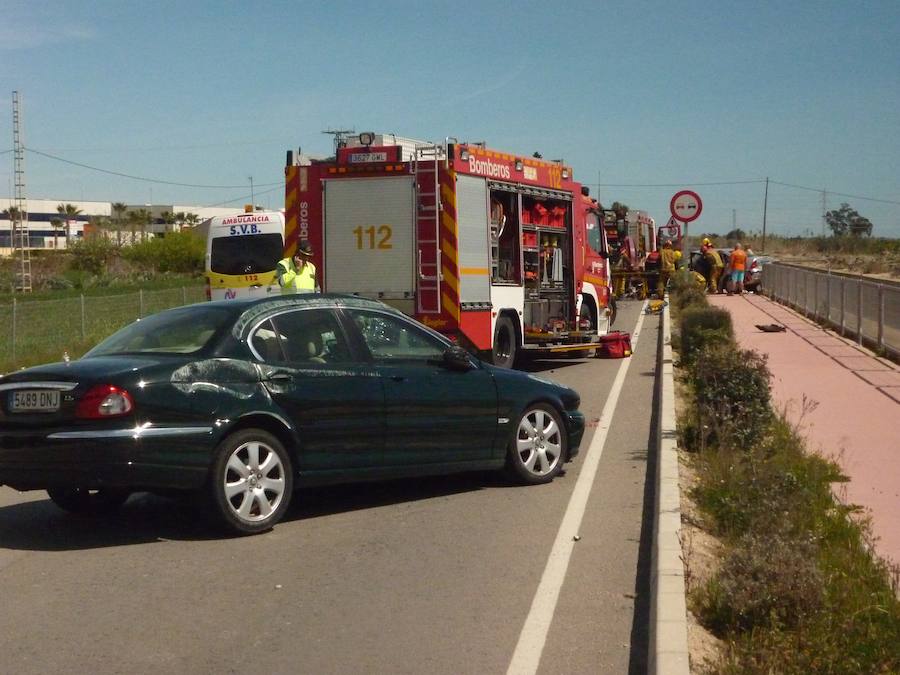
668 643
526 658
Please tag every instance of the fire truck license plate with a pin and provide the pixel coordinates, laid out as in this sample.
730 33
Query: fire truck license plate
34 400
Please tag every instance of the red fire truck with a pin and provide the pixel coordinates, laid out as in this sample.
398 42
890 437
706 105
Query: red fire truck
504 253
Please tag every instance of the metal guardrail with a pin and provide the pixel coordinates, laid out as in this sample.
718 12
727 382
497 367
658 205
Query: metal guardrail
863 308
41 326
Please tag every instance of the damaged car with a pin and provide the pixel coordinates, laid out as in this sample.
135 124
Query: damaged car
245 401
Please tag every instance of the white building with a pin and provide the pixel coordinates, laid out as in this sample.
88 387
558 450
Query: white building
47 228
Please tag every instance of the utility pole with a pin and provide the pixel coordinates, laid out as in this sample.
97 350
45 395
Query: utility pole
733 219
20 240
252 200
765 209
824 209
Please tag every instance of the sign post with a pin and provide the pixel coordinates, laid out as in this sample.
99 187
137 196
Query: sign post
686 206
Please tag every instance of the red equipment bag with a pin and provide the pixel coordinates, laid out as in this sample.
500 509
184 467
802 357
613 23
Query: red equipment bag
614 345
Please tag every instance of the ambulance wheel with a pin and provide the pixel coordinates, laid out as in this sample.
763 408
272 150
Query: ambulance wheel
506 343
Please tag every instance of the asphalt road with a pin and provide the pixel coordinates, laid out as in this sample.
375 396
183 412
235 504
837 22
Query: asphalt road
417 576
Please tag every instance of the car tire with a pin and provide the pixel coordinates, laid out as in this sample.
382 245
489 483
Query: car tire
251 482
506 343
537 449
88 502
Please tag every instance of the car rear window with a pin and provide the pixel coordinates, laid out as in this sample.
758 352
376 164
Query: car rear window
180 331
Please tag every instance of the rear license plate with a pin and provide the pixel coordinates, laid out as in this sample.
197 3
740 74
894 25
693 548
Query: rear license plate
34 400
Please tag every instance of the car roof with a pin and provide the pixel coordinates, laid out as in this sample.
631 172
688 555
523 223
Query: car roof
302 300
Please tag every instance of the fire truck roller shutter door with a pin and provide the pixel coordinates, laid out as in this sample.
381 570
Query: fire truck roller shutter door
472 210
369 235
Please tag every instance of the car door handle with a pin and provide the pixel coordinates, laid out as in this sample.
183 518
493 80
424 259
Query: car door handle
280 377
398 378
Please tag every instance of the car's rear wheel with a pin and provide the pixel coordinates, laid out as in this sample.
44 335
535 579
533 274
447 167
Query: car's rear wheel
88 502
251 482
537 450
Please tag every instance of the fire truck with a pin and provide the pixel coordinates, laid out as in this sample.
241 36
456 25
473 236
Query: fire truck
505 254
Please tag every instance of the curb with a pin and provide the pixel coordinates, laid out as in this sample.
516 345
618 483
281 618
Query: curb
668 606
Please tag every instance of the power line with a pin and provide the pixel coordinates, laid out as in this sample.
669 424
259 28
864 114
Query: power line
244 198
840 194
140 178
682 184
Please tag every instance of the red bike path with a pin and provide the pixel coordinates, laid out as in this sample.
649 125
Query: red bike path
857 404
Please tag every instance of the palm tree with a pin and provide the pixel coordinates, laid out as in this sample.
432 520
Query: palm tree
179 218
119 210
191 219
144 218
57 223
99 225
71 212
168 218
133 220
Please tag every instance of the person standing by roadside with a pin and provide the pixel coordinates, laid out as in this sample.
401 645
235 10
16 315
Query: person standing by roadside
738 264
297 274
715 268
666 267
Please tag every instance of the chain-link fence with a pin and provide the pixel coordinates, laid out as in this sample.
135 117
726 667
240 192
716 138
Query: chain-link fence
861 307
41 330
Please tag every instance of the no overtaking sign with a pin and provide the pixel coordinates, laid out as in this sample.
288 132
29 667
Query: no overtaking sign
686 206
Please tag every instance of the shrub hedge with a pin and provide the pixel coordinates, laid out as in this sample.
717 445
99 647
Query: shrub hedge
798 590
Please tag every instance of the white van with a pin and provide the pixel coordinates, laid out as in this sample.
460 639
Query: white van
242 252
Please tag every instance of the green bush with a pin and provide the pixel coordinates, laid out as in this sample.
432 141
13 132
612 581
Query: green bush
686 292
732 395
92 255
181 252
703 327
763 582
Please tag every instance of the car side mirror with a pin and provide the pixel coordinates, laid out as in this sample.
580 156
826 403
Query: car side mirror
457 358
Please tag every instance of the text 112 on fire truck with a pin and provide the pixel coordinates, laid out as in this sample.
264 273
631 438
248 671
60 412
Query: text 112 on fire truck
506 254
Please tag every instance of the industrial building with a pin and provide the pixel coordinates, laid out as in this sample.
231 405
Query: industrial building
47 227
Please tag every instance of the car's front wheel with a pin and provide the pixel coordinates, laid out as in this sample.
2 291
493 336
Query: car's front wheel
251 482
538 449
88 502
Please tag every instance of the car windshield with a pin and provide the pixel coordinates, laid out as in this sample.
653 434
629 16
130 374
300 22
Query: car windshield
178 331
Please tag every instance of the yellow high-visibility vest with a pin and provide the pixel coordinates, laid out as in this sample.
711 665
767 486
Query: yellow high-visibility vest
293 280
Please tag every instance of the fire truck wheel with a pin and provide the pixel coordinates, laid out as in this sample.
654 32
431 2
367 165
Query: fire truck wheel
585 313
538 448
506 344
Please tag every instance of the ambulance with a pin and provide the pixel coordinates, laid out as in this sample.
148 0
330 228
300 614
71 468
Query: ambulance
242 252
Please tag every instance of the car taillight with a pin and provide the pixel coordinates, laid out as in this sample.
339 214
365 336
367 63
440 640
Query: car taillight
104 400
754 265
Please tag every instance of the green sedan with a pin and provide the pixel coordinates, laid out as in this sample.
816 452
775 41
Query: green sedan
246 401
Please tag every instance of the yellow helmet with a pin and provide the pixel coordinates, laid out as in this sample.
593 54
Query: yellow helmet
706 241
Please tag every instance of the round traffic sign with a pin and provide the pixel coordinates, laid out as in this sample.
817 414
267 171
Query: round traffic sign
686 206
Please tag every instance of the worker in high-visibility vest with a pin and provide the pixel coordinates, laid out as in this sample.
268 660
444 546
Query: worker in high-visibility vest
666 268
297 274
716 266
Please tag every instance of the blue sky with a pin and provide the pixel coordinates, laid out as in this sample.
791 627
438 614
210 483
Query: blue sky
655 94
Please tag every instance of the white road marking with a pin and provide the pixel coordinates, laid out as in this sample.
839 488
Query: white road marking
527 655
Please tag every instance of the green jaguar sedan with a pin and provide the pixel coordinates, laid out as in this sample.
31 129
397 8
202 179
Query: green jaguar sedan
245 401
